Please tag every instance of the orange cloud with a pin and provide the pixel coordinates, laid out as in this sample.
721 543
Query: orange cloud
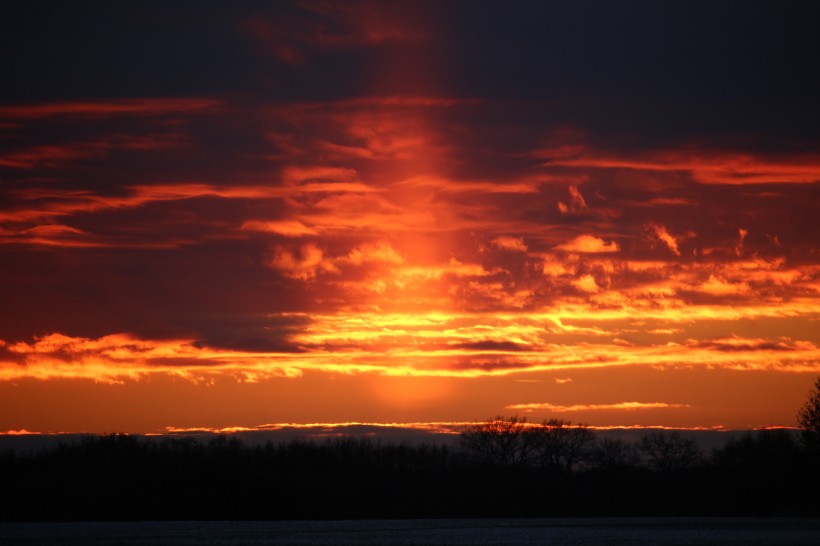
21 432
288 228
719 287
510 243
444 185
586 284
553 267
628 406
417 344
588 244
118 357
667 239
304 263
379 252
367 212
577 202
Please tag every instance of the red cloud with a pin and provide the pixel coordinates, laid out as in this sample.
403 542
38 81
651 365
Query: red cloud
107 108
707 168
665 237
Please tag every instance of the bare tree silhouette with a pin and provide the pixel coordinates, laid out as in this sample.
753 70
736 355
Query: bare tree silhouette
561 445
615 453
809 419
499 441
669 451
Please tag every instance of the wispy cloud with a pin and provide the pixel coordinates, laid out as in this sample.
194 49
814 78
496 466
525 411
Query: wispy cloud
628 406
665 237
414 345
708 168
108 108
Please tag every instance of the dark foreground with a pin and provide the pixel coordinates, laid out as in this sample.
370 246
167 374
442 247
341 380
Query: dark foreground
675 531
120 478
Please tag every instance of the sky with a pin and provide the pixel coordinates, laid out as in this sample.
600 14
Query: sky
227 216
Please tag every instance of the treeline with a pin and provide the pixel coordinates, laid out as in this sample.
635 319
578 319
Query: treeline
502 468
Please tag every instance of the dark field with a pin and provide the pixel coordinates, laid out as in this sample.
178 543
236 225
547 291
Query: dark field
565 531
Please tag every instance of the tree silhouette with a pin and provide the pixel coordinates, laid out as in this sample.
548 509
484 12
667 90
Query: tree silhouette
500 441
669 451
809 418
120 477
615 453
560 444
764 452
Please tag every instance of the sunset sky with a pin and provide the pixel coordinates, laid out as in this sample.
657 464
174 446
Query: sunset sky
243 214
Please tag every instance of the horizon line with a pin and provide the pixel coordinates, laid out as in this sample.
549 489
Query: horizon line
434 427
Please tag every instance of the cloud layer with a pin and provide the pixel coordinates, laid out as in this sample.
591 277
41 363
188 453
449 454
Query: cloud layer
343 190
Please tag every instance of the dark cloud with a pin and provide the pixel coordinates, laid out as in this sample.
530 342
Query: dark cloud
738 344
489 345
